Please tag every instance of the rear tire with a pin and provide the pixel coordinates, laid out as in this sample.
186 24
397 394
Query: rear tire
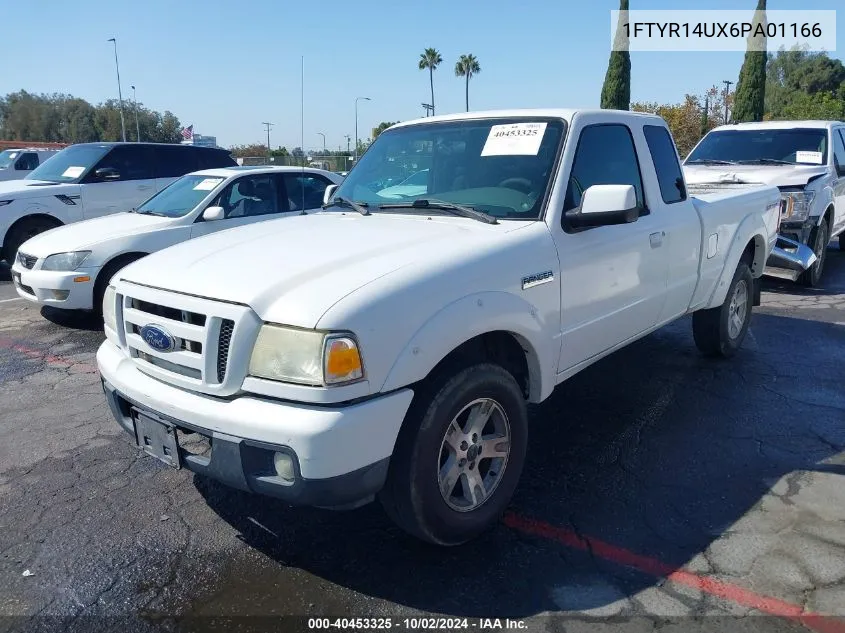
459 455
818 241
24 230
720 331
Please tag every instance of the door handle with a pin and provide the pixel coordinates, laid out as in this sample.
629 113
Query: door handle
656 239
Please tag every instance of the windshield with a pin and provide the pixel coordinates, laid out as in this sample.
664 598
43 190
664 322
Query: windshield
69 165
180 197
499 166
7 157
805 146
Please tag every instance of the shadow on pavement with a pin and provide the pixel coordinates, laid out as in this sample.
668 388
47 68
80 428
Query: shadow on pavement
653 449
76 319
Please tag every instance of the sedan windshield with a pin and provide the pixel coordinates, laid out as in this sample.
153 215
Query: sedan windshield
69 165
181 196
501 167
7 157
760 146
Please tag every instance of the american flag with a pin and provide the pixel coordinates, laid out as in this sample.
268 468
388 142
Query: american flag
188 132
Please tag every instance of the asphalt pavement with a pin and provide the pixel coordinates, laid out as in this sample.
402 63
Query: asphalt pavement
662 491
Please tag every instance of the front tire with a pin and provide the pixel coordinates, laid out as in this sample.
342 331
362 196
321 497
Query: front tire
23 231
459 455
818 241
720 331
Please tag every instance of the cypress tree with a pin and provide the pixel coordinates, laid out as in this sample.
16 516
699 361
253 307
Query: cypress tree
616 91
750 95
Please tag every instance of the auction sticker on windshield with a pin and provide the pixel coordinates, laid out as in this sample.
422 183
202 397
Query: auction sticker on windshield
514 139
808 157
208 184
73 172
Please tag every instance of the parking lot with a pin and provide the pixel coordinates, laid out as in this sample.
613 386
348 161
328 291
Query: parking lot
662 489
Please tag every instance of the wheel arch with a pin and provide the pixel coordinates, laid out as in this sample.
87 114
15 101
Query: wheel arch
52 219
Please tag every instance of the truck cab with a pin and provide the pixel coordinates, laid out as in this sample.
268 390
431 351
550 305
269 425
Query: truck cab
804 159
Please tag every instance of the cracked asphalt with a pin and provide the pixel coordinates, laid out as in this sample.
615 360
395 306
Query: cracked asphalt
662 491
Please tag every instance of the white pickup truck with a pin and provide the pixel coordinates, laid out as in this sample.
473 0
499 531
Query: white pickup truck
390 346
806 161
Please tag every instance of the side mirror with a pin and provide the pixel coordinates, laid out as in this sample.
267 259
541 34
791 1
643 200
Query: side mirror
328 193
107 173
213 213
604 205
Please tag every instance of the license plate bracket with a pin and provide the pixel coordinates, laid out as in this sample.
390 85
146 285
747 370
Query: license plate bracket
157 438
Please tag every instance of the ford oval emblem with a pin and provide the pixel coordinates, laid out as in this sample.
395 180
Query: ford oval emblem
158 338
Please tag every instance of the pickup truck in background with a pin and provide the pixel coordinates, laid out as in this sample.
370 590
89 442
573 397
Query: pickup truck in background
390 345
806 161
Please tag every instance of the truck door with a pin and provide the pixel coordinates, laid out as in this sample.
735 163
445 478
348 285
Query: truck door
839 180
613 278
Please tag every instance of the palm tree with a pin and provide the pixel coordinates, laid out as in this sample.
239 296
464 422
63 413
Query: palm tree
430 58
467 66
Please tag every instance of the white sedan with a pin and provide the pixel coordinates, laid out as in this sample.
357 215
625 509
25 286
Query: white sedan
70 266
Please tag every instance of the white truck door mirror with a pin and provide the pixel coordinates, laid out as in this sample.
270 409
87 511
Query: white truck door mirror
328 193
603 205
213 213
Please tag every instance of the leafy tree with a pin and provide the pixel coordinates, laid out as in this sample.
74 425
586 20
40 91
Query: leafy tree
792 75
705 117
683 119
820 105
382 127
430 59
467 66
616 90
248 151
751 86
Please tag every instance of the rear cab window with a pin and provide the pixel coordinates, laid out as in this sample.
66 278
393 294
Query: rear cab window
666 165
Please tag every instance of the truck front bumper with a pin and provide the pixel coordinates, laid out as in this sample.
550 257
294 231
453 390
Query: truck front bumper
790 257
339 455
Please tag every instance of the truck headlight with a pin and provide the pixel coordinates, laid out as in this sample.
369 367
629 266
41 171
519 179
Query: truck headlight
109 315
795 205
305 357
65 261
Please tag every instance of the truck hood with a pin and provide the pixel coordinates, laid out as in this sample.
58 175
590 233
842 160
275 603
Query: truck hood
292 270
80 236
17 189
777 175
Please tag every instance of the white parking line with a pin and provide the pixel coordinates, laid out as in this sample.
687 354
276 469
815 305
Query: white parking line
12 299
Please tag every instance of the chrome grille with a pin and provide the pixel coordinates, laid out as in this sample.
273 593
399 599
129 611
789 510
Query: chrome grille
27 261
227 326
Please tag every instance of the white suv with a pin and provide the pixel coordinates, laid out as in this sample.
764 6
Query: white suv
90 180
18 163
804 159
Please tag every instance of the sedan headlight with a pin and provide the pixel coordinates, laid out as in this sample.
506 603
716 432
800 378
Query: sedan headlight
65 261
795 205
109 316
305 357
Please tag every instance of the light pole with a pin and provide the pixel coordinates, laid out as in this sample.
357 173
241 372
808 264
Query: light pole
119 93
137 127
357 99
324 141
268 126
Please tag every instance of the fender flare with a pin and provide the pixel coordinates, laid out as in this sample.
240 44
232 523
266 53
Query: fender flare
755 231
469 317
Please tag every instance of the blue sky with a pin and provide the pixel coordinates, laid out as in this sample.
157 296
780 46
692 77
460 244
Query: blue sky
227 65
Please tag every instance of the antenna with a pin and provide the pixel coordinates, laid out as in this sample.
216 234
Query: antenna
302 124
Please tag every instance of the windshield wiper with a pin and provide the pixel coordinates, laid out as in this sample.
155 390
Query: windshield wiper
360 207
161 215
457 209
765 161
710 161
